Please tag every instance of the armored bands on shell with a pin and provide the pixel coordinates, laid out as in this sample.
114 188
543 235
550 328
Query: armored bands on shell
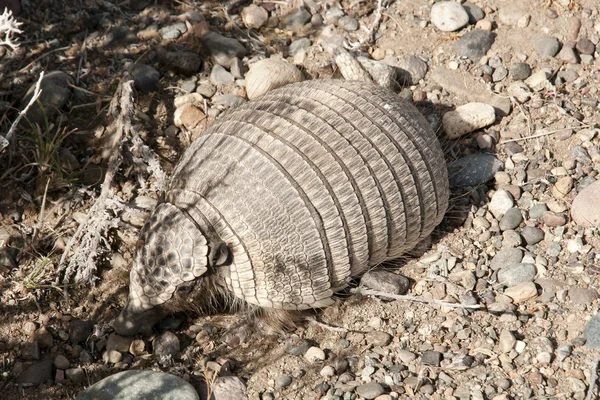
288 197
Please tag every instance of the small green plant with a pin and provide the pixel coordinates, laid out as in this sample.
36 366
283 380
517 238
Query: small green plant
39 275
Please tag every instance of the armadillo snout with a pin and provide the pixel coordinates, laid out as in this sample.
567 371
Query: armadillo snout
133 320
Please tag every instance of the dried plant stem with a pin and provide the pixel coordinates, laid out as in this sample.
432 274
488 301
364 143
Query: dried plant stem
325 326
538 135
370 292
4 141
89 234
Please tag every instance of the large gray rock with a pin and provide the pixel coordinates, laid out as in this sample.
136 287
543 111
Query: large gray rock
140 385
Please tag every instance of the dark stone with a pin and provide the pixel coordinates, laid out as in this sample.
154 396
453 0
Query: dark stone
385 281
79 330
36 374
474 12
474 169
585 46
145 78
520 71
431 358
475 44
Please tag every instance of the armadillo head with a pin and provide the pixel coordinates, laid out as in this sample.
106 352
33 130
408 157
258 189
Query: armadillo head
173 254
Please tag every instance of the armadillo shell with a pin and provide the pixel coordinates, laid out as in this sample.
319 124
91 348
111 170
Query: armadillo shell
311 185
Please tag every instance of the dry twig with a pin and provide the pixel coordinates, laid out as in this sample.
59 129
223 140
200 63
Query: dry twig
4 141
370 292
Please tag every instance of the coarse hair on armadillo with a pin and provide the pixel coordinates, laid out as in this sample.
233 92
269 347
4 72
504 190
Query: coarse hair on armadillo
210 296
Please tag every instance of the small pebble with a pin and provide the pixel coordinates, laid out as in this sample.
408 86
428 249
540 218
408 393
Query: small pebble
284 380
220 76
532 235
585 209
507 256
520 71
511 219
431 358
553 219
314 354
501 202
521 292
370 390
547 47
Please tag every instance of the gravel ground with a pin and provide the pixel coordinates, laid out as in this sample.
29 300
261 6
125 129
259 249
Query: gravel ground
502 302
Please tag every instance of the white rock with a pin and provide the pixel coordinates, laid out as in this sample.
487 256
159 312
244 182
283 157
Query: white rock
254 16
501 201
327 371
468 118
448 16
538 77
269 74
521 292
314 354
506 341
586 206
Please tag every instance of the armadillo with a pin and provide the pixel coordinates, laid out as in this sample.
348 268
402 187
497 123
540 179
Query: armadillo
284 200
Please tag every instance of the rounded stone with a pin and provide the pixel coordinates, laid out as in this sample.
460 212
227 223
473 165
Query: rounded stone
284 380
532 235
520 71
314 354
474 12
553 219
517 273
61 362
145 77
140 385
501 202
348 23
370 390
473 169
508 256
166 346
586 206
511 219
585 46
449 16
475 44
546 47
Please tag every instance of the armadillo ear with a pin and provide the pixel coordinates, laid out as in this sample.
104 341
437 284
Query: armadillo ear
220 255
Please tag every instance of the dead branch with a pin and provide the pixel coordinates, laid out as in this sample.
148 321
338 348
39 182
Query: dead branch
90 234
5 141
